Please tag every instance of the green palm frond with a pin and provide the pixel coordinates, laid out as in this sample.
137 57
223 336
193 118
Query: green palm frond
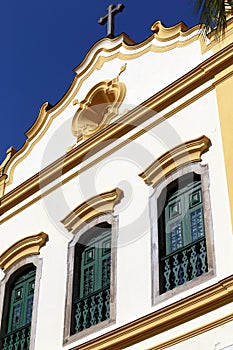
213 14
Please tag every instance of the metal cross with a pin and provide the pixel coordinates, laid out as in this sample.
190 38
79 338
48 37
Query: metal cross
112 11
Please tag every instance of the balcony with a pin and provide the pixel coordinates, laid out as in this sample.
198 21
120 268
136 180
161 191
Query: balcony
183 265
18 339
92 309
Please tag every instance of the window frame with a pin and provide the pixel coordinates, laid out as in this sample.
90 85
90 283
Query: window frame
67 336
16 267
201 170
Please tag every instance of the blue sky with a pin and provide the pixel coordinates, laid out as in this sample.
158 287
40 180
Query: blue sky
42 41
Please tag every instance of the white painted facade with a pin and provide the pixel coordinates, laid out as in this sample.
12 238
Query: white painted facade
147 72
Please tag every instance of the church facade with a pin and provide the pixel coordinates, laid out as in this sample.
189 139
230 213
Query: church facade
116 214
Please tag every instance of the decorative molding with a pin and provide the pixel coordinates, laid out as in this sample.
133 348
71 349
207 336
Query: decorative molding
100 204
95 59
9 153
186 153
2 184
21 154
101 104
163 99
26 246
40 121
200 330
165 34
112 150
178 313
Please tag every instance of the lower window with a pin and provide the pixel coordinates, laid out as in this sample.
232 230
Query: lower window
17 314
181 232
91 279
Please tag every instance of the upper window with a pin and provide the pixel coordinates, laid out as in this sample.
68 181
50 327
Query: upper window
181 230
91 279
18 303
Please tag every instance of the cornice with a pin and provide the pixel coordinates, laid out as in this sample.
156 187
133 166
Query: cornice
100 204
170 161
161 100
193 333
178 313
22 248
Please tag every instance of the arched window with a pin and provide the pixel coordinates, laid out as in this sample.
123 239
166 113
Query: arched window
91 278
17 312
181 232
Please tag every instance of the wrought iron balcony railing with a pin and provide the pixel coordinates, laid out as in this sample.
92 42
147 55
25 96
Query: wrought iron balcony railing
183 265
92 309
18 339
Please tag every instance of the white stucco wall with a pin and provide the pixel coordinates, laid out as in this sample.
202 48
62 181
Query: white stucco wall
121 169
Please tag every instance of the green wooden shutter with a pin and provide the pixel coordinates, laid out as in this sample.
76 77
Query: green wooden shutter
19 311
21 301
184 220
182 243
95 264
92 305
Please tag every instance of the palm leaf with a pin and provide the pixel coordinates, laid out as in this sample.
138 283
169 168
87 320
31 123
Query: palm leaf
213 14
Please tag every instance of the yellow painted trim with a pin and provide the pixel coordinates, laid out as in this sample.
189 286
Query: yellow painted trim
178 313
96 62
100 204
2 184
224 92
114 149
108 153
29 143
195 332
186 153
22 248
170 33
101 104
40 121
9 154
178 89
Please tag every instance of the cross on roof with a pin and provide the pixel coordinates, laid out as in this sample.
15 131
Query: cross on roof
112 11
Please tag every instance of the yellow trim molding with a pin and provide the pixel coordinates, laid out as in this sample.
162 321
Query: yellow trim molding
101 104
185 310
114 149
200 330
178 89
224 93
186 153
22 248
170 33
100 204
96 57
9 153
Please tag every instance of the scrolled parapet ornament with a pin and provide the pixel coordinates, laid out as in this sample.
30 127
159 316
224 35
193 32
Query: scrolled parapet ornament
99 107
163 33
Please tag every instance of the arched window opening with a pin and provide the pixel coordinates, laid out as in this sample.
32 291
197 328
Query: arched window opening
17 313
182 242
92 278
